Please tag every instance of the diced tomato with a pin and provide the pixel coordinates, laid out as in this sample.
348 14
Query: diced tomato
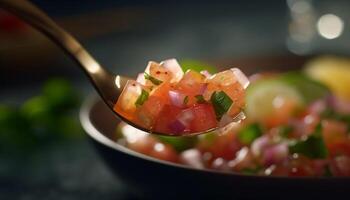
126 102
223 78
191 83
204 118
333 131
155 70
224 146
162 92
149 111
300 166
335 137
167 116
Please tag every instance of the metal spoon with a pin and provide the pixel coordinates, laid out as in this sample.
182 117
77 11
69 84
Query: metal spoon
108 85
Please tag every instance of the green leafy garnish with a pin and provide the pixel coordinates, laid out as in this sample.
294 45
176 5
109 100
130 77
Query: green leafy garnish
221 103
200 99
185 100
142 98
152 79
249 133
313 147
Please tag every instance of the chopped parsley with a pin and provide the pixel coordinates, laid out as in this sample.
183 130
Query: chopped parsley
200 99
249 133
142 98
313 147
152 79
221 103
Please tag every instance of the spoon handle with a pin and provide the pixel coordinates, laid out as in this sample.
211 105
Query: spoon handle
37 18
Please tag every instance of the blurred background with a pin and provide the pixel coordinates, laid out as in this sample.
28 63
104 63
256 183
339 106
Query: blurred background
43 151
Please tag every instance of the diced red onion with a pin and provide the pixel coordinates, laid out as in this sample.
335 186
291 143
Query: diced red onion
259 145
174 67
193 158
176 98
177 127
275 154
241 78
205 73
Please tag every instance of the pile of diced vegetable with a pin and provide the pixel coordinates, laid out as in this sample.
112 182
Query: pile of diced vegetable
295 126
167 100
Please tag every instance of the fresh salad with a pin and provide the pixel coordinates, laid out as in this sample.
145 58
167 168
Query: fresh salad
297 124
165 99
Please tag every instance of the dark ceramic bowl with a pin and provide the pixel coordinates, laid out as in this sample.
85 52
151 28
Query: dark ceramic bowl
149 177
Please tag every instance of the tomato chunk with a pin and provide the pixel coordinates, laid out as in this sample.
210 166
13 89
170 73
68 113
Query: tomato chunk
204 118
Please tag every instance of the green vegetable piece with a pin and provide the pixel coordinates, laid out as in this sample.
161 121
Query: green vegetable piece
197 66
185 100
152 79
221 103
313 147
249 133
200 99
142 98
179 143
60 95
309 89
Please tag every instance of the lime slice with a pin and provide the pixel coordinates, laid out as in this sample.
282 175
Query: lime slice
265 96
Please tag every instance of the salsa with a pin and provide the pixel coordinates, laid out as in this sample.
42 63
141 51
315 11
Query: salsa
297 125
167 100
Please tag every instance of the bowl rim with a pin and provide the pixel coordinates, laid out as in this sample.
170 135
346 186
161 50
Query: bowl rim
96 135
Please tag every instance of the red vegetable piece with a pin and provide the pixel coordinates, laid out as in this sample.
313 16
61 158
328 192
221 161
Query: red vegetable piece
166 117
204 118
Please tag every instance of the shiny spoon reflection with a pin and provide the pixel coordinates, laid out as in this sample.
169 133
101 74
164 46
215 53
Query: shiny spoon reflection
108 85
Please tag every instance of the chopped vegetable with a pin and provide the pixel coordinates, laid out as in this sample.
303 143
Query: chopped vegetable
249 133
221 103
313 147
142 98
195 102
200 99
152 79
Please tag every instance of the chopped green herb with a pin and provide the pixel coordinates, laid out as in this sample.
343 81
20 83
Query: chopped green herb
142 98
185 100
200 99
221 103
152 79
313 147
249 133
